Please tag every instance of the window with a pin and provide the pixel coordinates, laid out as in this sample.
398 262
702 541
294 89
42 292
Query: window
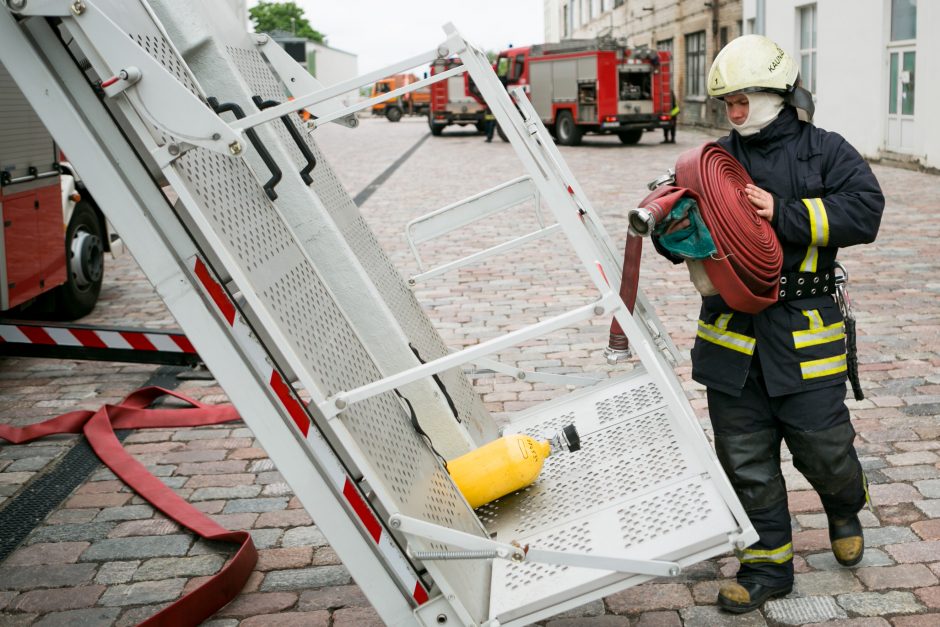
903 20
808 46
695 64
751 26
565 23
722 37
665 45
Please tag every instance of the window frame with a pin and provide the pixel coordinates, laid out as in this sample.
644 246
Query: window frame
695 64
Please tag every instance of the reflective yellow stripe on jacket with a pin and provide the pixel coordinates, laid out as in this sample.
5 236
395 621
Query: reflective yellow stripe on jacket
823 367
817 333
719 334
818 233
780 555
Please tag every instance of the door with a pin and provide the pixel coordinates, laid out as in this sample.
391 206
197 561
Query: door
902 134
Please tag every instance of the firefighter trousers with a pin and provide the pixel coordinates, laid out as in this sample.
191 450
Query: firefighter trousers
748 431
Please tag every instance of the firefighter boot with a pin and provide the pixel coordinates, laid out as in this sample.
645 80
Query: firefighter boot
739 596
847 540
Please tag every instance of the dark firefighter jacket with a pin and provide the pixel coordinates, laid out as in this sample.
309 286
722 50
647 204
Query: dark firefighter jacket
826 197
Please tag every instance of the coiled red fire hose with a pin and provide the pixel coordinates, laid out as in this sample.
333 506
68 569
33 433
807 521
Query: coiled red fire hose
131 413
746 267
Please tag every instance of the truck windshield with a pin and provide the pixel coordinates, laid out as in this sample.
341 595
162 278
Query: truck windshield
382 88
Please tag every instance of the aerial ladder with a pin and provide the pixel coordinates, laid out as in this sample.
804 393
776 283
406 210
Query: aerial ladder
185 129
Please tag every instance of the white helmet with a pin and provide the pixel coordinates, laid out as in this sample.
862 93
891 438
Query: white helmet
754 63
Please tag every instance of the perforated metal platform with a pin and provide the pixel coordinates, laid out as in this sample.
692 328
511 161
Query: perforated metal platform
636 489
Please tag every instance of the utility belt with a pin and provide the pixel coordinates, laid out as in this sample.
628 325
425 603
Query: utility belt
797 285
833 281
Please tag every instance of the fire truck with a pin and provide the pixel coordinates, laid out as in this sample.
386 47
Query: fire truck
452 101
54 235
412 103
592 86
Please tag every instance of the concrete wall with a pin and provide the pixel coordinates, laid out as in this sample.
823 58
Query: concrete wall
852 82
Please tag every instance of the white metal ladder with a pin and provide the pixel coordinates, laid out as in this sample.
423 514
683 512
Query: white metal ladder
232 260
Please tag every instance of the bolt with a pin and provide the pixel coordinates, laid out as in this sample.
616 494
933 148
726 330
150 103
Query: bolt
517 556
739 545
78 7
340 403
216 137
598 310
442 51
411 281
674 571
173 149
235 148
395 523
520 375
17 5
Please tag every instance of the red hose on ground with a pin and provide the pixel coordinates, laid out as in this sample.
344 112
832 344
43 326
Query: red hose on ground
132 413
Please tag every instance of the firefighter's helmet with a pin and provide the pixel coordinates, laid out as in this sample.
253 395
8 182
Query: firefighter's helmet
754 63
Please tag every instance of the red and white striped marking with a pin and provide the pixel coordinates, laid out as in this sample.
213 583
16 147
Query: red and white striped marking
295 407
95 338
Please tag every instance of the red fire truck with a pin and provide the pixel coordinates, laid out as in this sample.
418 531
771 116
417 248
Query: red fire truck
592 86
54 235
452 101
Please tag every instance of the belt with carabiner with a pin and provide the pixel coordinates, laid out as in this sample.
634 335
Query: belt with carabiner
851 349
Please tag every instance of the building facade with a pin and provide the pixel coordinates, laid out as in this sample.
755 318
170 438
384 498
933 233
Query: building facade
693 30
864 77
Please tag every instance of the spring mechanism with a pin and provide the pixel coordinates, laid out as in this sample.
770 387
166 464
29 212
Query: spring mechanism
454 555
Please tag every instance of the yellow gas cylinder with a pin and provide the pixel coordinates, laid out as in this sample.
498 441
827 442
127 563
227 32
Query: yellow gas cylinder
507 464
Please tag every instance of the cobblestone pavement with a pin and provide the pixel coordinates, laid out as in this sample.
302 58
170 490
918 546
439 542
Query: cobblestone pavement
104 557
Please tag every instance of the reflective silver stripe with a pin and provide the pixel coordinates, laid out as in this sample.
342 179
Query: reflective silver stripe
823 335
728 339
823 367
774 556
815 320
818 232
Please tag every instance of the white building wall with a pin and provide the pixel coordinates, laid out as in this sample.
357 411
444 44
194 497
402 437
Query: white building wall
331 66
852 73
552 20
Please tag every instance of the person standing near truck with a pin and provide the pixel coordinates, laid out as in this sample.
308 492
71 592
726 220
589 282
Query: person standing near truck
780 374
669 132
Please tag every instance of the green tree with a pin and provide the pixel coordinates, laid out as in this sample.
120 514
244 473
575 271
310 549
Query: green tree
283 16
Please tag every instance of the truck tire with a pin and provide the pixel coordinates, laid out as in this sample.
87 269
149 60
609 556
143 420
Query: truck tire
436 129
84 253
393 114
566 130
630 137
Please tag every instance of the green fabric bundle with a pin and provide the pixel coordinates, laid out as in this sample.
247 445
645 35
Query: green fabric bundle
692 242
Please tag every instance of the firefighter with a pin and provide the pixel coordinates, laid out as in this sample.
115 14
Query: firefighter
780 375
669 132
489 124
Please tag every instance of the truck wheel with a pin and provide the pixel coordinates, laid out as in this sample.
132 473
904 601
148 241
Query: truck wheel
393 114
84 242
567 131
630 137
436 129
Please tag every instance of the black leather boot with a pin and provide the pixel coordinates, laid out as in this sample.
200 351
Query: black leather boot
847 540
740 597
